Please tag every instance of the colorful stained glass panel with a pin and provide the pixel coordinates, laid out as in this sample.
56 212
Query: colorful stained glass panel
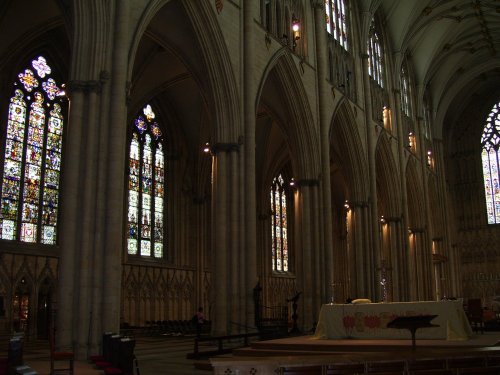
146 187
25 157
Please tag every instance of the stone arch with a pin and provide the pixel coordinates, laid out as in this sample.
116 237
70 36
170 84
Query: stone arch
346 143
222 91
301 136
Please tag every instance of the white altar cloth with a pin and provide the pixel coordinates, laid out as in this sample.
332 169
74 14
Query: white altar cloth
369 321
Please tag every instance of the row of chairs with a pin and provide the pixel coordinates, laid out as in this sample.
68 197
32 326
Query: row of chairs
469 365
117 356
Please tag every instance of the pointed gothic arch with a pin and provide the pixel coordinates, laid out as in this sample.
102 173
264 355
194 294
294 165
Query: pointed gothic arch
222 93
345 138
300 138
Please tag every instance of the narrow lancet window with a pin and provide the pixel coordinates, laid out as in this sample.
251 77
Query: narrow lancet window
490 142
375 63
146 188
279 226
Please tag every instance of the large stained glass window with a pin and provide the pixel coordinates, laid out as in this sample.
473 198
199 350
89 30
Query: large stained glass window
146 187
490 142
336 21
279 229
375 67
29 204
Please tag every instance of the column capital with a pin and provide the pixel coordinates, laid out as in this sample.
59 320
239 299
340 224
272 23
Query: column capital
84 86
392 219
307 182
416 229
224 147
357 204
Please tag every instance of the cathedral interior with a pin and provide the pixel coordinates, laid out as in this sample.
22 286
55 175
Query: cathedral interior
161 155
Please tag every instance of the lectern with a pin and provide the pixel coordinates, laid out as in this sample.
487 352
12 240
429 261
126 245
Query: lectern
412 323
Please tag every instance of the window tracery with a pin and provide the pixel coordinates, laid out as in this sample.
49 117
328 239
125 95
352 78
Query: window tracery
279 224
29 204
146 187
490 142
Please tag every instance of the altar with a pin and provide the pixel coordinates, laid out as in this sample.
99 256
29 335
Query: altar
369 321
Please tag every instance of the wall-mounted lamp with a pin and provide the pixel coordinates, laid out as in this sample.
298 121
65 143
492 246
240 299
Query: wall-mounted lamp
292 182
382 220
62 90
206 148
346 206
410 140
295 30
429 158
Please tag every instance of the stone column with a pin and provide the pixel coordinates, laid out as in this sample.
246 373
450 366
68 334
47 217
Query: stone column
428 222
324 125
305 252
235 252
374 247
249 93
226 267
100 217
70 219
404 193
87 254
115 164
219 242
397 259
419 283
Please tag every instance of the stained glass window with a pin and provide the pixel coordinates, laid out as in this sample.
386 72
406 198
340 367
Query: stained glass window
405 91
279 229
490 142
375 67
32 160
146 187
336 21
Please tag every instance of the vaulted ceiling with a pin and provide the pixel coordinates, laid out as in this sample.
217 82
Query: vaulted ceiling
454 46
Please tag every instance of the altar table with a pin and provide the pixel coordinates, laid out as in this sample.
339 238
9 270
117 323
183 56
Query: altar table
369 321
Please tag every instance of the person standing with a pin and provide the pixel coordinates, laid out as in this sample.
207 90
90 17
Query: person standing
200 316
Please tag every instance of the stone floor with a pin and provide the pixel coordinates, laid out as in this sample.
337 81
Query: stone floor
157 355
166 355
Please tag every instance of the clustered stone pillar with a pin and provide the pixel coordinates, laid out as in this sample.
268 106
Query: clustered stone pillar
324 124
250 218
91 233
374 247
364 257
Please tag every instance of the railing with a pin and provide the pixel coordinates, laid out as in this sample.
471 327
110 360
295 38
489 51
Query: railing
244 337
273 321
